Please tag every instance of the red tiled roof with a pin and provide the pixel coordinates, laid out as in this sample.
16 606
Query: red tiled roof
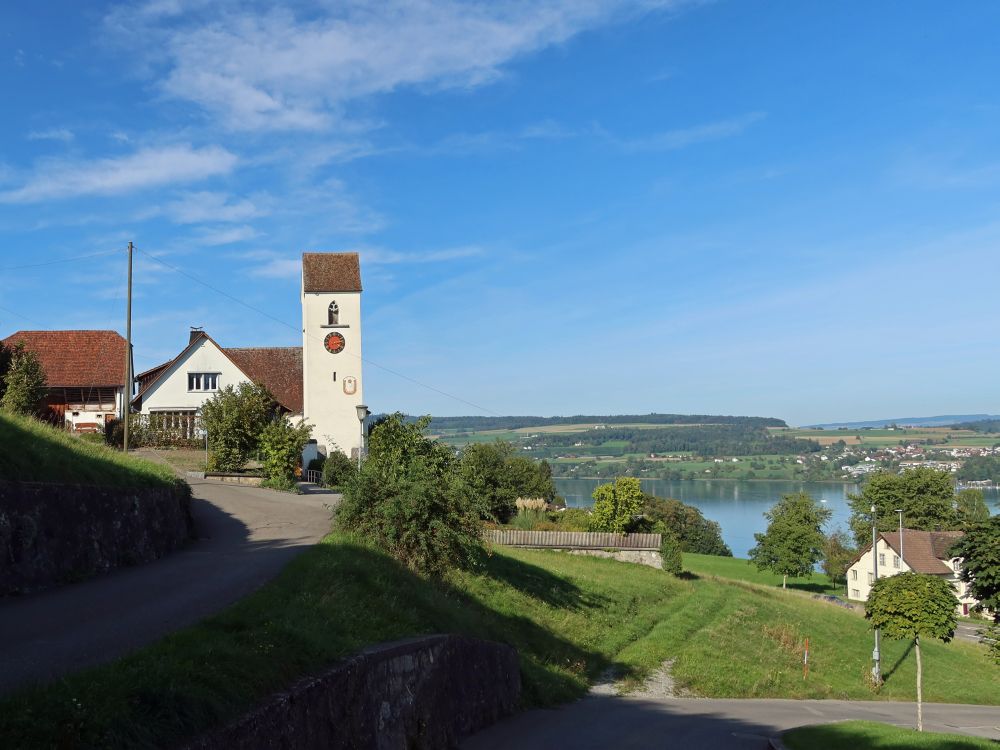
76 359
924 551
278 368
331 272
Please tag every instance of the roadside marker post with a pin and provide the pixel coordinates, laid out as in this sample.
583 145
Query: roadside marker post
805 661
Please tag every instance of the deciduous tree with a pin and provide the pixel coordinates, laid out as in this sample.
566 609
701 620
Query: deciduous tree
837 556
909 605
793 542
616 504
979 549
971 507
926 496
281 445
24 382
235 418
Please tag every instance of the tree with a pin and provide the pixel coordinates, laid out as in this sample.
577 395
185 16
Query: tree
793 542
837 556
616 504
971 507
483 468
926 496
979 549
235 419
281 445
909 605
695 532
6 354
394 444
530 479
24 382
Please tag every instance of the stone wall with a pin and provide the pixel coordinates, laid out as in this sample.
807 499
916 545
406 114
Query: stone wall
59 533
421 693
641 557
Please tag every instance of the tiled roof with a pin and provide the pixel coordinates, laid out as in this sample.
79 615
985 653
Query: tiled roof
278 368
331 272
924 551
76 359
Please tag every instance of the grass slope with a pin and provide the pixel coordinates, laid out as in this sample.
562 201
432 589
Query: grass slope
31 450
569 617
740 569
871 735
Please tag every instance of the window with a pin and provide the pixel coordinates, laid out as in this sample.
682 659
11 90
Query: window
881 558
895 561
333 314
203 381
871 578
957 566
854 574
855 593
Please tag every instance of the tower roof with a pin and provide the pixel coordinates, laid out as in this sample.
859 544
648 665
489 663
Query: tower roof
331 272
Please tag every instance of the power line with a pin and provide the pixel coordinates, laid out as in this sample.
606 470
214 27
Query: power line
298 329
60 260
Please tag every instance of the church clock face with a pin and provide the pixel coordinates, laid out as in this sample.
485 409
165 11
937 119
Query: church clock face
334 343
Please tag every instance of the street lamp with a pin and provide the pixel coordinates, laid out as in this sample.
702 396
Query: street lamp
901 558
362 416
876 656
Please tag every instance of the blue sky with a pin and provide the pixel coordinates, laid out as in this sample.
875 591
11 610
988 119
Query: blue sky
772 208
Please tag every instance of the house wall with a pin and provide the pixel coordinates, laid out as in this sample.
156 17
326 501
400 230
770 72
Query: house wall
326 406
171 392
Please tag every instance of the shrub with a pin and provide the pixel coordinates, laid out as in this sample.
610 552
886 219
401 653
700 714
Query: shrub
24 382
337 469
485 470
235 419
572 519
616 504
670 552
281 445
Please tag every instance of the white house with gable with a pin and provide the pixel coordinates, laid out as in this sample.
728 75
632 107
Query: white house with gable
919 551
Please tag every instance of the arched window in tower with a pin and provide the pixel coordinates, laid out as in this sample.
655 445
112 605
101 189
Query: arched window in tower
333 315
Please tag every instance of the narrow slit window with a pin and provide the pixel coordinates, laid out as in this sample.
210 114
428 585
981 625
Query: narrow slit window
333 314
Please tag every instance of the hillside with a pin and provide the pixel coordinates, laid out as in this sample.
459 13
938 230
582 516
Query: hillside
514 423
946 420
32 451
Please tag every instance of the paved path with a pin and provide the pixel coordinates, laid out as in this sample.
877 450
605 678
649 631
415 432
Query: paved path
603 722
246 535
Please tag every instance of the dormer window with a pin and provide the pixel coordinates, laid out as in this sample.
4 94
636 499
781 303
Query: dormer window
203 381
333 314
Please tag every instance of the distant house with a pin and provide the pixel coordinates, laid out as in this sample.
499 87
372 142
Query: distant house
922 552
176 390
85 371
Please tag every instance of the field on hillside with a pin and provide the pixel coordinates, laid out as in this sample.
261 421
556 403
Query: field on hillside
32 451
884 437
571 619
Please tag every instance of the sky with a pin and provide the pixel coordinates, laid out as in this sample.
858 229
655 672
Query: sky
783 209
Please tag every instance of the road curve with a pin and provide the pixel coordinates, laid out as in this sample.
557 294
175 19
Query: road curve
245 536
599 722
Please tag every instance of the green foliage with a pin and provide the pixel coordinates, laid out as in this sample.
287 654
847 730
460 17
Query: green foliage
513 423
909 605
408 502
281 445
235 418
571 519
695 532
670 552
872 735
837 556
282 484
979 468
926 496
484 469
337 469
971 507
24 382
6 354
979 549
616 505
530 479
793 542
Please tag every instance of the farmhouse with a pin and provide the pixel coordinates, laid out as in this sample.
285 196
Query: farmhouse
319 381
85 371
919 551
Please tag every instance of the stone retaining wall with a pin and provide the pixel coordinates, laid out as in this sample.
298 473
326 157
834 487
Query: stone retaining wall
641 557
423 693
60 533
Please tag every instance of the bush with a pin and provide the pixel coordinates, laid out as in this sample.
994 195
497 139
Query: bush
616 505
337 469
670 552
281 445
486 471
235 418
24 382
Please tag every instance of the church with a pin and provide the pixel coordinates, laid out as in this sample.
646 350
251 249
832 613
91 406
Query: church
320 382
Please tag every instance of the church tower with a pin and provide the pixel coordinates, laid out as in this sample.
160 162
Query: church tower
331 350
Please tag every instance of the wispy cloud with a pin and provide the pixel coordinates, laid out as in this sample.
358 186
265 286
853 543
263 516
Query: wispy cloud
52 134
258 69
148 167
207 206
671 140
227 236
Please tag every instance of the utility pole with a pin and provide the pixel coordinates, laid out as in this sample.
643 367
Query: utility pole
876 656
127 406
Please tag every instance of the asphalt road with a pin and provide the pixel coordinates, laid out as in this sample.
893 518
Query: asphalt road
600 722
246 535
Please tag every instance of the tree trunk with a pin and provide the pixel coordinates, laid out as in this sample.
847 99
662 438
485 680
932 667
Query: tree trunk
920 692
784 580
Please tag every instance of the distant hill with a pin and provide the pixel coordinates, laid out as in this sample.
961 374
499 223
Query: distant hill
513 423
945 420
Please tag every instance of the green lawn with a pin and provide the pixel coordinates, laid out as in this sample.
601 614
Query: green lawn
871 735
31 450
570 618
743 570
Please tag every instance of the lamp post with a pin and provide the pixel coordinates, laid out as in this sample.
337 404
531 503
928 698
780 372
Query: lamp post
876 656
362 416
901 558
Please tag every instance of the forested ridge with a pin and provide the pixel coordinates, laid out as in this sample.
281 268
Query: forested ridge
513 423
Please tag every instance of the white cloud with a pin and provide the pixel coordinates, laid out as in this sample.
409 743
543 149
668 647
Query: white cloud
227 236
670 140
260 69
52 134
148 167
207 206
